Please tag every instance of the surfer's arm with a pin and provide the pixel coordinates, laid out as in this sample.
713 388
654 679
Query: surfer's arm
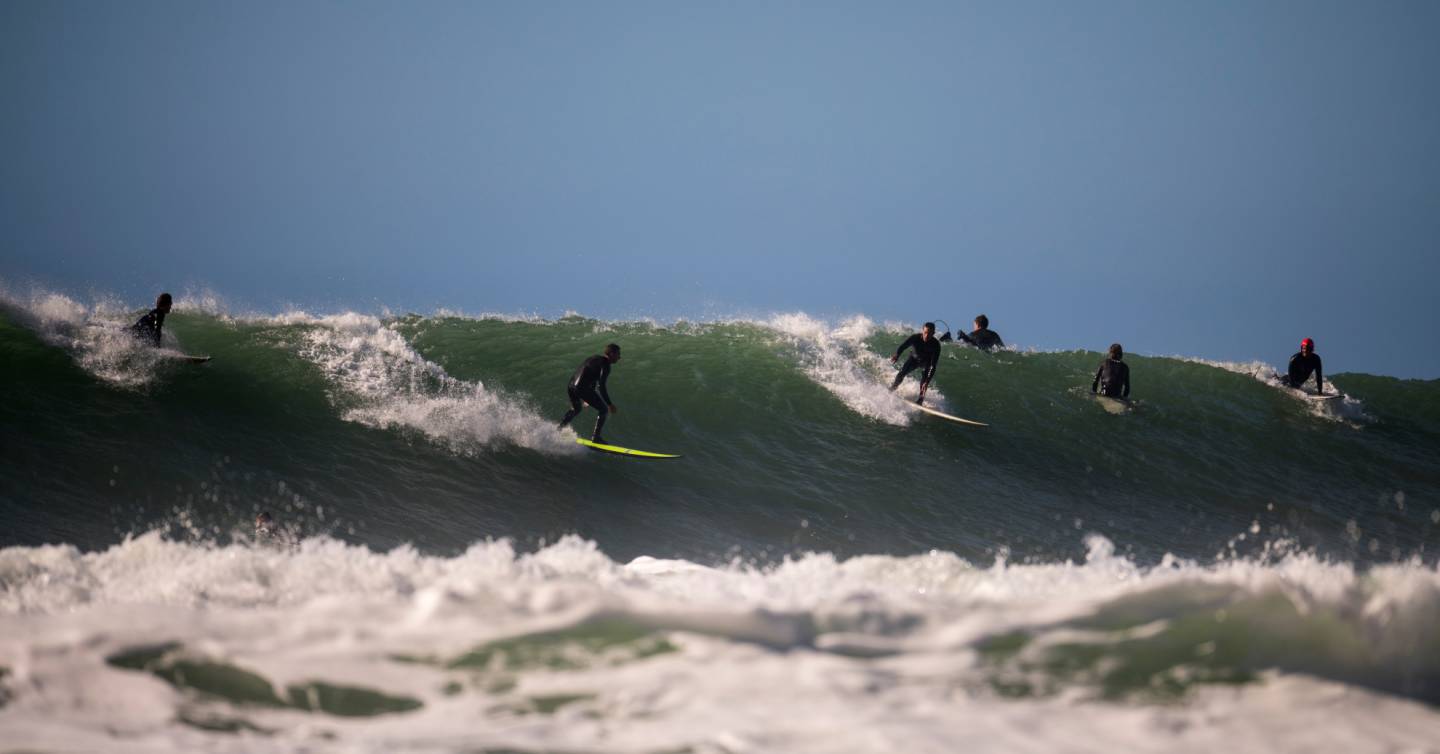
1095 383
605 394
1126 392
908 342
1319 381
946 337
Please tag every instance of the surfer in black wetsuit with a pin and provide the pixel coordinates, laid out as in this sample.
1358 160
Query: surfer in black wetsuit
927 355
1112 379
1302 365
588 386
982 337
148 326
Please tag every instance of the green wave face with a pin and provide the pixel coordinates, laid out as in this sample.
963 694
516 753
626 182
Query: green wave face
440 431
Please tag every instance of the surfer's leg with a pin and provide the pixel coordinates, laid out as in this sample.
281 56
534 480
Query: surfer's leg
909 367
576 406
599 405
925 377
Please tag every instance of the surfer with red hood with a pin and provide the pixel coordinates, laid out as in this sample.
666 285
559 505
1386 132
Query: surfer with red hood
1302 365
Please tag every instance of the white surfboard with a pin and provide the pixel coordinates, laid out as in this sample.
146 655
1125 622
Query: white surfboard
943 415
1111 405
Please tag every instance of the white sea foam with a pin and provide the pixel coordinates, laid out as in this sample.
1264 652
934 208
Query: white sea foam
386 383
97 336
817 654
836 358
1347 409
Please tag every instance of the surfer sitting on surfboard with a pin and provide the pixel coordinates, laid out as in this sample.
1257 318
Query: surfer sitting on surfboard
588 386
148 327
1112 379
927 355
1301 365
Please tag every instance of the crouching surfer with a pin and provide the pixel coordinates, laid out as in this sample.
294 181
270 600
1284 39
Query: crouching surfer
147 328
1302 365
926 357
588 386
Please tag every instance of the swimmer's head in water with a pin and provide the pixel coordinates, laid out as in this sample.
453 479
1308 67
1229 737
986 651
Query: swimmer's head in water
264 523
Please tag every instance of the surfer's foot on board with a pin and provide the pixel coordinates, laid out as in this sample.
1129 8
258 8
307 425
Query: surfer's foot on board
598 440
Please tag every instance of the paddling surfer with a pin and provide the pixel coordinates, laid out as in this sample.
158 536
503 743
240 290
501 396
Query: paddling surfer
926 355
148 327
982 337
588 386
1112 379
1302 365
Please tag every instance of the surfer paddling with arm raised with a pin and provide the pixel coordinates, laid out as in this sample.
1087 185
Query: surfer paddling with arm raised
927 355
1112 379
982 337
147 328
588 386
1301 365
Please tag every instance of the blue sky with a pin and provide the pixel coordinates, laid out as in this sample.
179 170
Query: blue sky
1215 179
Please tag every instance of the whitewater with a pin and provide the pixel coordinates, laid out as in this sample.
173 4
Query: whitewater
1224 566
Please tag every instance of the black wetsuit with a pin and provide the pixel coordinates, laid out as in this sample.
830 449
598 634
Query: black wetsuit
1301 365
588 386
983 339
927 354
148 327
1112 379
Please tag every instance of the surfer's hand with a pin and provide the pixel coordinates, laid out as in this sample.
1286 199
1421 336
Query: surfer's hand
894 359
614 409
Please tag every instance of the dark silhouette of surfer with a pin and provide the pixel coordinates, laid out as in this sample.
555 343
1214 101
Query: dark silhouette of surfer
148 327
1302 364
982 337
926 355
1112 379
588 386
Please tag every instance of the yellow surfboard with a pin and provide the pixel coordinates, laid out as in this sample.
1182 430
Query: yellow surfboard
619 451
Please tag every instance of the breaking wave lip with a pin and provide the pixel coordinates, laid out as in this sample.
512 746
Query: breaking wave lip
836 358
1348 410
396 387
97 336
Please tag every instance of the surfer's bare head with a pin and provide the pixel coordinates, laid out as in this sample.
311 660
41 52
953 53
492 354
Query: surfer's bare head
163 302
928 329
982 322
1116 352
612 352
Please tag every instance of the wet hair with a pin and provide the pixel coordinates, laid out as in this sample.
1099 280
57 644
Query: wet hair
162 301
982 320
612 350
1116 352
928 326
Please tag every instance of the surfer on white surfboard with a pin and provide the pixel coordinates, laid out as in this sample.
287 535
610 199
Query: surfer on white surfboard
926 356
1112 379
588 386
